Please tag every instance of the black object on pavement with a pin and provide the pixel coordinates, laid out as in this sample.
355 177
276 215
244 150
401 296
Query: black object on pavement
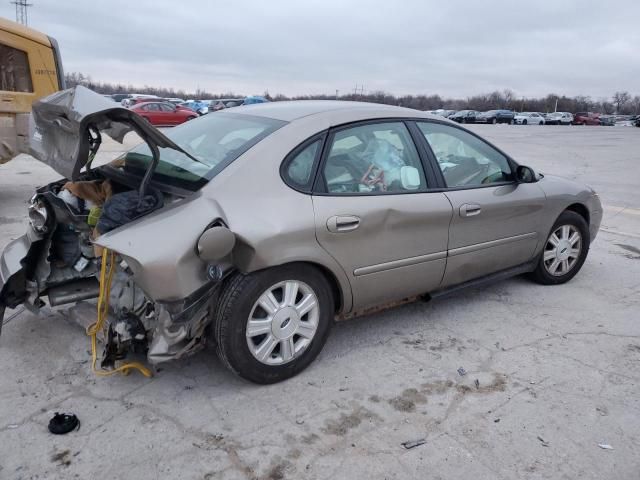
62 423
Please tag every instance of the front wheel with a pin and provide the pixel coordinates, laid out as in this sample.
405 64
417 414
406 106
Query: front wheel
565 250
270 325
494 121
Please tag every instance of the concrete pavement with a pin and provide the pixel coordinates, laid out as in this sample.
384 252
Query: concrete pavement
556 369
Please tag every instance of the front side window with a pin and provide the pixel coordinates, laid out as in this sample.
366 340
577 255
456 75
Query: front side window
374 158
464 159
14 70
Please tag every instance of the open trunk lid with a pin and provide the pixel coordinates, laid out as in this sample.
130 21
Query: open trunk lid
65 129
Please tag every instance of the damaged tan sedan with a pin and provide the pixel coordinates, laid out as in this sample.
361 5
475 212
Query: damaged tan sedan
255 229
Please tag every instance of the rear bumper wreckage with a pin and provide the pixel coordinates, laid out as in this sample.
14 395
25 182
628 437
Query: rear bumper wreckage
164 319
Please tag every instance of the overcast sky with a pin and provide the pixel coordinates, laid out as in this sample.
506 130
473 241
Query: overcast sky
454 48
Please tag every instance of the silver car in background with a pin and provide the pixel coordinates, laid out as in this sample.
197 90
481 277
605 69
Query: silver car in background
271 221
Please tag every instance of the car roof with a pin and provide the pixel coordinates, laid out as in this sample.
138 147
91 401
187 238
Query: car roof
290 111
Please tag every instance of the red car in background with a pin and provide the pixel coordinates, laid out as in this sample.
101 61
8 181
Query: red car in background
164 114
586 118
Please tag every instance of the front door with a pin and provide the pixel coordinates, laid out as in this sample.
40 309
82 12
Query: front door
375 215
497 222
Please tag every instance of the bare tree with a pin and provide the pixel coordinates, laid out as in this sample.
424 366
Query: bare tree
620 99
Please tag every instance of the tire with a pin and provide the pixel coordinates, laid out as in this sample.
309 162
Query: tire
238 304
524 122
512 121
543 272
190 118
494 121
464 120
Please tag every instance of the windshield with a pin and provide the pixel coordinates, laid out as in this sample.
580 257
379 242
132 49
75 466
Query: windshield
214 141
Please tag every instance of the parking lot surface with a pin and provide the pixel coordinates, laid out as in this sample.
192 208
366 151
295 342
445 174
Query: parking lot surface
551 377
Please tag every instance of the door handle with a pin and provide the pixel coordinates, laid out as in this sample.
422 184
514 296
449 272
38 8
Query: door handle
470 209
343 223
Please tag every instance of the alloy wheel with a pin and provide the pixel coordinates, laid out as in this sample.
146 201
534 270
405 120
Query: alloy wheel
562 250
283 322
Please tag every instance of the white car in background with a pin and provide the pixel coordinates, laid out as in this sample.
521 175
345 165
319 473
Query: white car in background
559 118
529 118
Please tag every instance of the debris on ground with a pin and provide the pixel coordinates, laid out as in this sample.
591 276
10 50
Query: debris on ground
62 423
477 382
543 441
414 443
605 446
299 421
497 420
462 372
61 458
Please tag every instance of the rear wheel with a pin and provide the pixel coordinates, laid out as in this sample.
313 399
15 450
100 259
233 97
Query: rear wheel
270 325
565 250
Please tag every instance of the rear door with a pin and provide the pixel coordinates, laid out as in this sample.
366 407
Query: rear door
497 222
153 113
169 114
375 214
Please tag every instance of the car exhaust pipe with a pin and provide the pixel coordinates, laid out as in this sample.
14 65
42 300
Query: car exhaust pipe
73 292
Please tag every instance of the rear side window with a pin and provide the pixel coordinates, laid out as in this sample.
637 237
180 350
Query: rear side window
298 167
372 159
14 70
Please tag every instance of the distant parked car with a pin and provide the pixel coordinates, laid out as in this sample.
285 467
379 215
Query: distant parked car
199 106
586 118
119 97
464 116
136 98
222 103
559 118
529 118
164 114
135 101
496 116
251 99
607 120
636 120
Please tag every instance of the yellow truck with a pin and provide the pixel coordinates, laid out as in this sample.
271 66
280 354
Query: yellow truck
30 68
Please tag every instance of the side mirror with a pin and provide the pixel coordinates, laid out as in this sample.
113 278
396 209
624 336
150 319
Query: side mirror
215 243
525 174
410 178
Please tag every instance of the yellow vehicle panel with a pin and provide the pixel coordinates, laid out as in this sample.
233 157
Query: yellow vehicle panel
29 70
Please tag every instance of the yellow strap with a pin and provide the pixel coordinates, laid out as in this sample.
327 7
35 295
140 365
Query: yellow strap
106 278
